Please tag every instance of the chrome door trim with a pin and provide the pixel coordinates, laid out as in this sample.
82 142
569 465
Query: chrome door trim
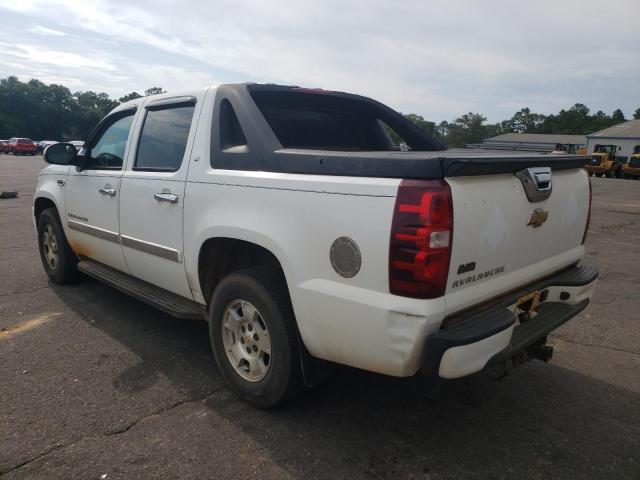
151 248
94 231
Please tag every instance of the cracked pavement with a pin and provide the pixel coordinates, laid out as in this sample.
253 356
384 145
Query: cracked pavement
94 383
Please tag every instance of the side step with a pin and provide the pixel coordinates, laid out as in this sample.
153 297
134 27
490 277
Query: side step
155 296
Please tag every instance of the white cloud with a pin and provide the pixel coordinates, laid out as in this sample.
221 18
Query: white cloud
40 30
436 59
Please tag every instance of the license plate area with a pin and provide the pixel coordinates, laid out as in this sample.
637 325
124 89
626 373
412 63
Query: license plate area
526 307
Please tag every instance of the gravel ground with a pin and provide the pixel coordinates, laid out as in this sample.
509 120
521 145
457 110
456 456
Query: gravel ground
95 385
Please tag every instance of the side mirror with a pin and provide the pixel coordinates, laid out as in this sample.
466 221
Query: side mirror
61 154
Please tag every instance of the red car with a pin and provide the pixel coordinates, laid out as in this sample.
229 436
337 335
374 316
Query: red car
4 146
22 146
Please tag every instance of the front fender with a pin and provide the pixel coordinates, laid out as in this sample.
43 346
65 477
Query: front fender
49 187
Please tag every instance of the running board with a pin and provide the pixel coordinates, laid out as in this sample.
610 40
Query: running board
160 298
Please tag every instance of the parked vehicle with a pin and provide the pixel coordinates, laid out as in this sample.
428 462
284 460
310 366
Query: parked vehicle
78 144
571 148
4 146
603 161
289 219
22 146
631 169
43 144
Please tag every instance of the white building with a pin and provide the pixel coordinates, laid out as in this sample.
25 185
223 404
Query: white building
529 142
624 135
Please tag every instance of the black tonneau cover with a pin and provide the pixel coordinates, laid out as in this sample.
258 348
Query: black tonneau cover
264 152
447 163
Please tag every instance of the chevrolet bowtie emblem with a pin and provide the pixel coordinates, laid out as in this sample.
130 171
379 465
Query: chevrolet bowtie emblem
537 217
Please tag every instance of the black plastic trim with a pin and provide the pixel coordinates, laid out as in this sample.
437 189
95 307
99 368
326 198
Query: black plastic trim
458 167
157 297
574 276
170 102
484 321
431 161
550 316
470 330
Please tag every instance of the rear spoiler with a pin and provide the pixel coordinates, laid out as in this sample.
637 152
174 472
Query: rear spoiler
460 167
416 165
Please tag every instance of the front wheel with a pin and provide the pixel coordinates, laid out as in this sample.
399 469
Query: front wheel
254 338
58 259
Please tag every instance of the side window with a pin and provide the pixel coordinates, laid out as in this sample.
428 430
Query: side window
108 148
164 138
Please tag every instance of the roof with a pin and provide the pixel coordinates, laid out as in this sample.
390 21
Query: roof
629 129
537 138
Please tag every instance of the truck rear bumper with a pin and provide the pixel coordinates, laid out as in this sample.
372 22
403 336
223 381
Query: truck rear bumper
469 342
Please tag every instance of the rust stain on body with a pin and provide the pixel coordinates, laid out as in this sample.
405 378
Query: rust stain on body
79 249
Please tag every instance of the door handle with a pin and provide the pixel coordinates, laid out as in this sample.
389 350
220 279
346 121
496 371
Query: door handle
166 197
108 190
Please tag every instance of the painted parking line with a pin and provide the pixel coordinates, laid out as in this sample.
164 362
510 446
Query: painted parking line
28 325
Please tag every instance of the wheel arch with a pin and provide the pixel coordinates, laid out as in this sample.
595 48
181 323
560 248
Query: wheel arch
220 255
237 254
41 203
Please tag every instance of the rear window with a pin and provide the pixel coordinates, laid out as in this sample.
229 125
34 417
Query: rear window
324 121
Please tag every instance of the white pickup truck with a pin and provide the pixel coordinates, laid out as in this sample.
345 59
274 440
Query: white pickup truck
290 220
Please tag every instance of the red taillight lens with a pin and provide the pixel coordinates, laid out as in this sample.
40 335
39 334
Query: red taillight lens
586 227
421 235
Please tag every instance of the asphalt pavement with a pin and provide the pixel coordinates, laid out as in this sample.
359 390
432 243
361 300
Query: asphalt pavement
96 385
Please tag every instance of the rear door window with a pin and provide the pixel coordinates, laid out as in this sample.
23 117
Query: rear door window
164 136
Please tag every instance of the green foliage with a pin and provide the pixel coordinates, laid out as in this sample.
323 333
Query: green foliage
129 96
471 127
153 91
51 112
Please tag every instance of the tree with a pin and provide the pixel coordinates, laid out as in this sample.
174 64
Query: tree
442 131
129 96
525 122
636 114
618 116
421 123
153 91
469 128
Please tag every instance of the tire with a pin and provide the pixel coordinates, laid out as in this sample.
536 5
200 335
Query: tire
262 290
64 268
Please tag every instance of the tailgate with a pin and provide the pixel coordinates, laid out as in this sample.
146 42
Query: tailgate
502 239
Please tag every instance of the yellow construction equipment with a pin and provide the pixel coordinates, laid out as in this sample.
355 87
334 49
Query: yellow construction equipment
603 161
570 148
631 169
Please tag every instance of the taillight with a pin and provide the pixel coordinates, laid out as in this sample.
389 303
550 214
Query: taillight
586 227
421 235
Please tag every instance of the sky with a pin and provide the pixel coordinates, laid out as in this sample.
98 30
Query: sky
439 59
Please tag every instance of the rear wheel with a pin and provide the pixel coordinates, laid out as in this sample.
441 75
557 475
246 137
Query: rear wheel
254 337
58 259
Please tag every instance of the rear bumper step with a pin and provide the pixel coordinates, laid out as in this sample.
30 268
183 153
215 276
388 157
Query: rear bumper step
482 338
